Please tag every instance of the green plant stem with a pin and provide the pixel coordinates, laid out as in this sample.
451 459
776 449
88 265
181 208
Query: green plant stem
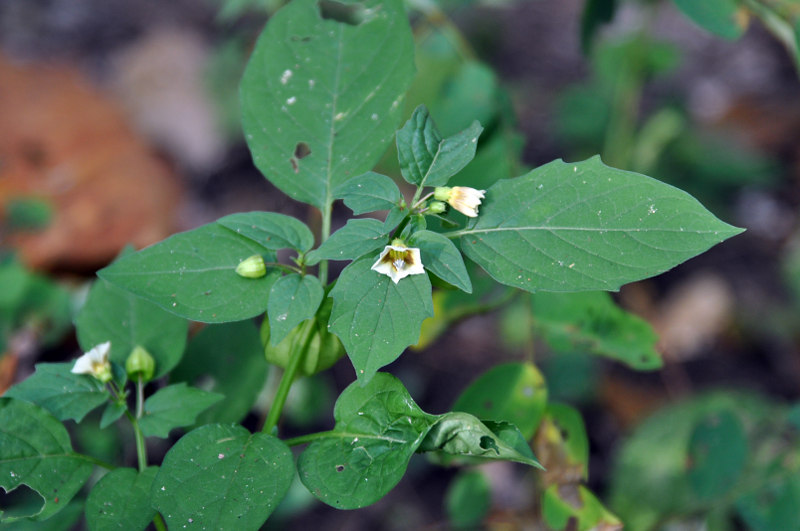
295 359
98 462
324 234
311 437
286 267
141 448
159 524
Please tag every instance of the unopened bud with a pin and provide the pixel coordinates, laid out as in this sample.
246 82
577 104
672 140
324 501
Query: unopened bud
140 364
252 267
437 207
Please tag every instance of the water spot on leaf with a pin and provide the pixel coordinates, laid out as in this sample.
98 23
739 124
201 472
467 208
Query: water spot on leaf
286 76
351 14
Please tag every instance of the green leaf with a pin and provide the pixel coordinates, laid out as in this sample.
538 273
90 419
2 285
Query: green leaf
570 432
222 477
441 257
586 226
270 230
313 124
112 314
193 274
227 359
461 434
368 193
468 499
592 321
513 392
112 412
59 391
717 454
375 318
428 160
358 237
574 507
378 428
35 450
121 497
292 300
720 17
174 406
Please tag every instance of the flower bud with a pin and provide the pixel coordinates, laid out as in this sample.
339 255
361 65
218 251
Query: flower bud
140 364
463 198
252 267
437 207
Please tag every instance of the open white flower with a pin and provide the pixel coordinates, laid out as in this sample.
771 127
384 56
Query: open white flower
95 362
398 261
463 198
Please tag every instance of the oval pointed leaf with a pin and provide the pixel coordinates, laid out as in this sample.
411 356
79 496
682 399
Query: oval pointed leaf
193 274
586 226
66 395
442 258
113 314
358 237
174 406
375 318
378 429
292 300
222 477
313 124
270 230
35 450
368 193
122 495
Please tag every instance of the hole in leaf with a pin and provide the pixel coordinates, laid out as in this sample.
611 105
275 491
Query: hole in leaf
487 443
352 14
301 150
339 468
20 502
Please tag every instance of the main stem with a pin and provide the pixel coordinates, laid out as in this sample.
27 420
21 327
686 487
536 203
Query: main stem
299 349
325 233
141 448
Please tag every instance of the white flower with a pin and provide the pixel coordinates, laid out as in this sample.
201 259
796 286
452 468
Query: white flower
398 261
95 362
463 198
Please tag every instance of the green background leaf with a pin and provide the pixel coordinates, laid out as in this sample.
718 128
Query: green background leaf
222 477
720 17
586 226
113 314
292 300
227 359
468 499
35 450
174 406
717 454
121 498
368 193
358 237
193 274
270 230
59 391
313 124
375 318
378 428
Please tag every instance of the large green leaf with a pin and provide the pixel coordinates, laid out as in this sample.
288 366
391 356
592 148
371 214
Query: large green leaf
590 320
369 192
222 477
355 239
378 429
271 230
292 300
116 315
55 388
720 17
514 392
428 160
586 226
174 406
35 450
193 274
227 359
121 498
441 257
375 318
321 97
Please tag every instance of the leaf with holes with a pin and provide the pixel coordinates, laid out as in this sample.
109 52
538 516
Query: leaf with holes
428 160
358 237
270 230
113 314
571 506
122 495
193 274
378 429
174 406
586 226
323 91
292 300
368 193
66 395
223 477
35 450
375 318
592 322
442 258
